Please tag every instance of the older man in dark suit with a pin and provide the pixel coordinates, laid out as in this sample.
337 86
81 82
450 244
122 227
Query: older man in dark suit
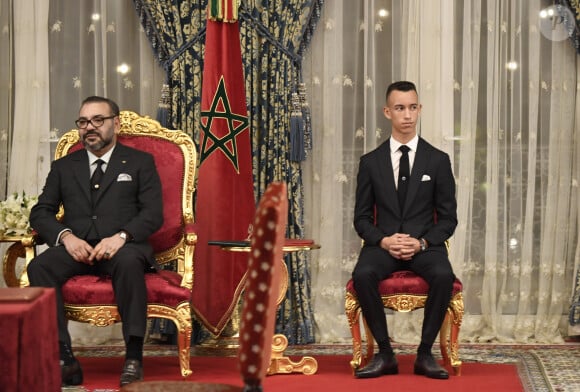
112 200
405 210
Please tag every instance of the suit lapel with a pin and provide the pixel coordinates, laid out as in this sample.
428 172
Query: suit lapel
419 165
82 172
385 165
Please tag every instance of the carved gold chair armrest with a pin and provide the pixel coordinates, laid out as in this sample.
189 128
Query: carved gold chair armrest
23 246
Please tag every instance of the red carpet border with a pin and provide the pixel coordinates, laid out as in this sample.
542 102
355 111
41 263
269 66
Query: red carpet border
486 367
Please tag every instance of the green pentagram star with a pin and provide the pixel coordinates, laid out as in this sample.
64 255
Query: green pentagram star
220 109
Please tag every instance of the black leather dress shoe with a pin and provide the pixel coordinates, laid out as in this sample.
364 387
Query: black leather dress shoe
378 366
426 365
132 371
71 374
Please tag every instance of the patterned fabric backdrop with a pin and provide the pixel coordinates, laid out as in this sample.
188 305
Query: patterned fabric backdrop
274 36
573 23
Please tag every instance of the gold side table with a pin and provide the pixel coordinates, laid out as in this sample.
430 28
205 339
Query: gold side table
279 363
23 246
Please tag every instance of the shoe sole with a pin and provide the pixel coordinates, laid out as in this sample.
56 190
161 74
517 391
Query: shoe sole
386 373
437 377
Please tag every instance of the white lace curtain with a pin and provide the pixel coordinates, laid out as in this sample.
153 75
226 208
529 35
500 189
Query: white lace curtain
63 51
499 92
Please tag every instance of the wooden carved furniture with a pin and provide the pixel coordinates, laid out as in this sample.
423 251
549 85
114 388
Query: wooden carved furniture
23 246
405 291
259 302
279 362
263 279
90 298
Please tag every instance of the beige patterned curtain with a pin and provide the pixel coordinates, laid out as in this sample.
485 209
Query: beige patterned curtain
568 16
500 95
6 99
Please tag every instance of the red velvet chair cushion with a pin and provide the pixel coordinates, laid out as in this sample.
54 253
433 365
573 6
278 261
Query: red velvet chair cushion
162 288
405 282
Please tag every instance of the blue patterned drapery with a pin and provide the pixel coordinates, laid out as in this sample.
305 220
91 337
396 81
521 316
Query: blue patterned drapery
176 30
574 316
274 36
572 21
277 33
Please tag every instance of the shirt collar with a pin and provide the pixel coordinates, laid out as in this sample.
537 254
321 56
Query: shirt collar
412 144
106 158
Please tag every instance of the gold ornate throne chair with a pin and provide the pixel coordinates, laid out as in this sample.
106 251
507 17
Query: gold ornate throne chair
90 298
261 294
404 291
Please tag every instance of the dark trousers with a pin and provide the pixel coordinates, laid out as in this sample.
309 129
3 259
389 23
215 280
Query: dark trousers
375 264
55 266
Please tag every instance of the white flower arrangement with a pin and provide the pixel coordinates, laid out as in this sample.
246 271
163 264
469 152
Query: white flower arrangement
14 214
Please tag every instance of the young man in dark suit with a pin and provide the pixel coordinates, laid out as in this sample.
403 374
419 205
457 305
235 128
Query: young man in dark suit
112 201
405 210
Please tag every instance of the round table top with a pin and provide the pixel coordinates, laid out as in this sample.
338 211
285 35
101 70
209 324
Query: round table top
291 245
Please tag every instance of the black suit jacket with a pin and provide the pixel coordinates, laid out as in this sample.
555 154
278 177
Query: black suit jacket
431 193
129 199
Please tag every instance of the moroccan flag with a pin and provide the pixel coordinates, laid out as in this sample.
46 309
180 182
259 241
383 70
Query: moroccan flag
225 193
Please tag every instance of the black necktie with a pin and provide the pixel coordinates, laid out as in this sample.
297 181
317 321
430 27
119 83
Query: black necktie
404 174
95 185
97 175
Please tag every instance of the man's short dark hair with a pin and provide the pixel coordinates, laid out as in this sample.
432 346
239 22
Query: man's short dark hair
96 99
402 85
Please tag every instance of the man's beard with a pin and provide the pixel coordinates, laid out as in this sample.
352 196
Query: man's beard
99 145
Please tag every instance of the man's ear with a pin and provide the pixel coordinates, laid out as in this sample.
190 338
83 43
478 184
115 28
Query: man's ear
387 112
117 124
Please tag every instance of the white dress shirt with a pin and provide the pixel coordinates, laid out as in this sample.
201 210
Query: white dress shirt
396 155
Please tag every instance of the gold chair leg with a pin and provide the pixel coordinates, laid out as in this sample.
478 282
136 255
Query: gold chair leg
370 343
183 323
352 311
444 338
457 309
353 314
356 361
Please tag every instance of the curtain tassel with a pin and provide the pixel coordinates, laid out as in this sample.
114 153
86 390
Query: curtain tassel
306 118
297 153
164 106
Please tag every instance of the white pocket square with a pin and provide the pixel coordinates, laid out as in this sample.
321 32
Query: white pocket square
124 177
425 177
